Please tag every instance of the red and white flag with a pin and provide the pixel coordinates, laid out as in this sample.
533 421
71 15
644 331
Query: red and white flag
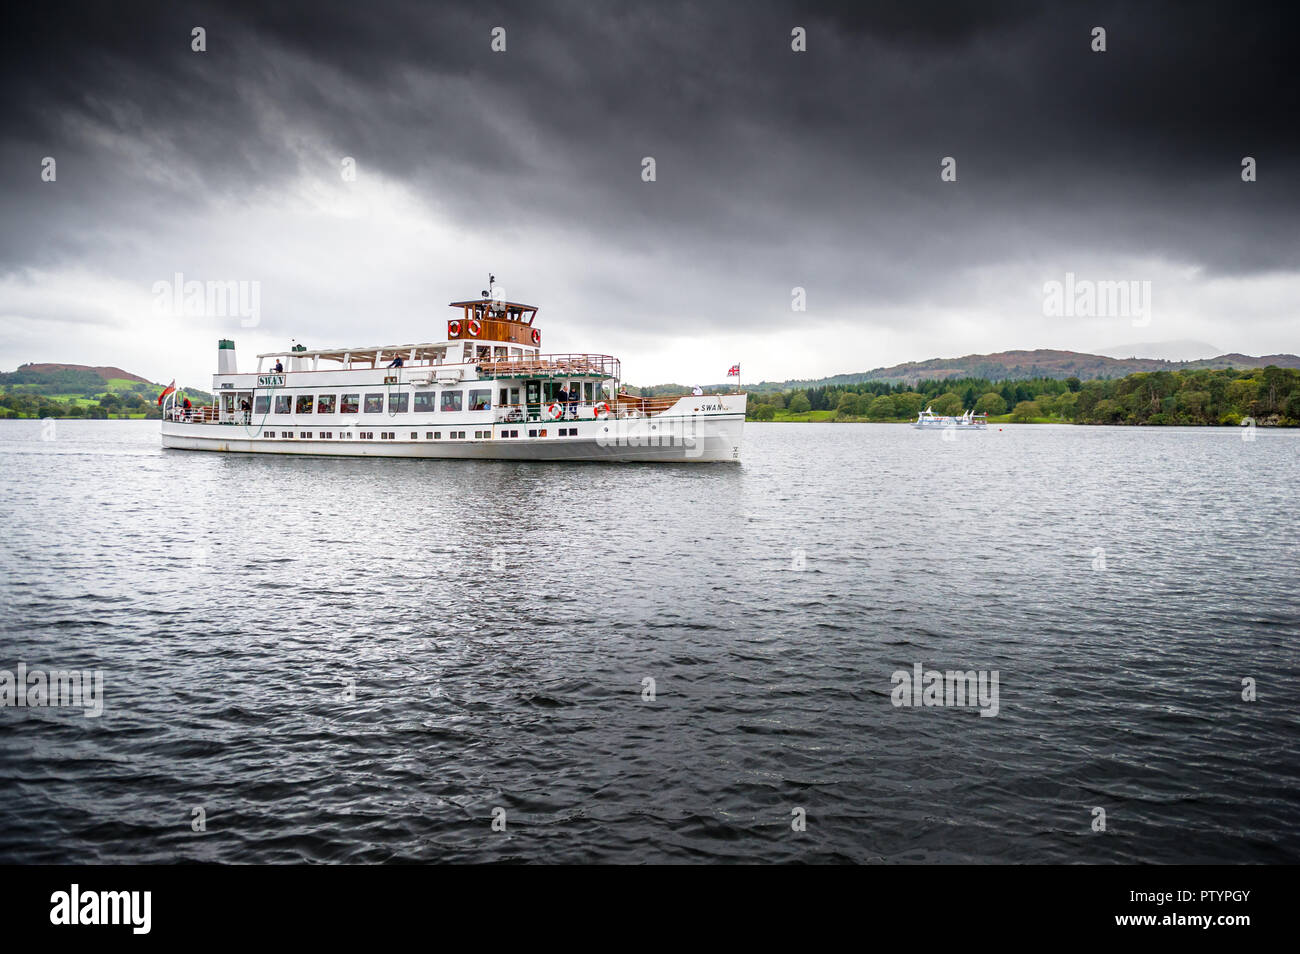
166 391
734 372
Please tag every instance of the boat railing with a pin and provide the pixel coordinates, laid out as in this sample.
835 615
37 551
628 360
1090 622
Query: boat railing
551 366
624 406
194 415
548 411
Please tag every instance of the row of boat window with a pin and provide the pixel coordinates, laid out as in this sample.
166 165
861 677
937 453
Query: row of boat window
477 399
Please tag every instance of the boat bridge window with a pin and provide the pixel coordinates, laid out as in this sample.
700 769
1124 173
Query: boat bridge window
374 404
304 404
399 403
350 404
325 403
451 400
426 401
480 399
262 404
283 403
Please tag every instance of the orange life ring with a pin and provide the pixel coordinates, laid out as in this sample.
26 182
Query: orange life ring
474 327
453 329
554 411
601 410
537 337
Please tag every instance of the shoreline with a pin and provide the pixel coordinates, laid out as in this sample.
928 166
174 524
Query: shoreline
1006 419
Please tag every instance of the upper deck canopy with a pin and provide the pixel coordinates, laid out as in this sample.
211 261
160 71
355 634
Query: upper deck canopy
427 352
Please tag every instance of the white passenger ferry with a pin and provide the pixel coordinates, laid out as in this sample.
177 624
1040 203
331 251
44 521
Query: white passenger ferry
486 391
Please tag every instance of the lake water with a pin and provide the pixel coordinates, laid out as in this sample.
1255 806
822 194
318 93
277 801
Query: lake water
363 660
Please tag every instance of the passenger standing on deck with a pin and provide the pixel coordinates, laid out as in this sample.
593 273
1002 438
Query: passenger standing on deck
574 394
563 398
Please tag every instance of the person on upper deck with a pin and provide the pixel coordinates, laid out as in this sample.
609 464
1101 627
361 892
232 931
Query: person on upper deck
396 362
278 366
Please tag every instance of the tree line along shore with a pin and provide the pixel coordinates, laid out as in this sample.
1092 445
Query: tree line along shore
1267 396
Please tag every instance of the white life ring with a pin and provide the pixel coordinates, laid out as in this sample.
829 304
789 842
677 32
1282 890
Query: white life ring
554 411
601 411
537 337
453 329
474 327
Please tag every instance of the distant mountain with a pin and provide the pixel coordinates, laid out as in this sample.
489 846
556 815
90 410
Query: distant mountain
1041 363
58 380
105 374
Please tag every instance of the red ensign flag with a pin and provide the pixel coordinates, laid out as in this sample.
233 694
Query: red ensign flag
166 391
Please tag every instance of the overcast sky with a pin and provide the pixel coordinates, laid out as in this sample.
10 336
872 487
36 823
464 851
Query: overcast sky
774 169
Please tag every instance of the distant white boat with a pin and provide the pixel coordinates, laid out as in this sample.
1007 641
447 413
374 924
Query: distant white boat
927 419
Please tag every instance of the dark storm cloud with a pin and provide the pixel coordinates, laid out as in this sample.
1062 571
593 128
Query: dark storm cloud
774 169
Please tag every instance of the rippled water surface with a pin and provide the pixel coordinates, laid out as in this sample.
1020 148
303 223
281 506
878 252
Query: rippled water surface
496 622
